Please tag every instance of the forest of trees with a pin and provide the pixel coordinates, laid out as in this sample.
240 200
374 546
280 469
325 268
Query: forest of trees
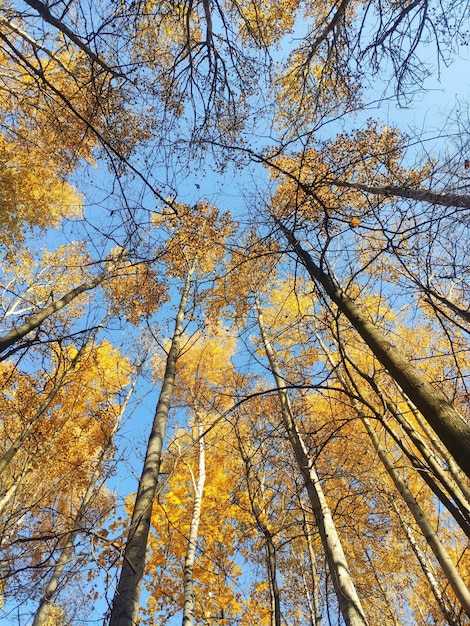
235 314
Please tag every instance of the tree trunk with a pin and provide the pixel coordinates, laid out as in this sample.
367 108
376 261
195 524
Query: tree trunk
455 580
448 424
314 603
459 510
42 613
439 551
271 559
454 470
421 558
16 334
348 600
188 583
124 610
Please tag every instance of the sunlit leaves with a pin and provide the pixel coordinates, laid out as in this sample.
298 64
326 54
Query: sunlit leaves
196 237
135 291
216 569
32 192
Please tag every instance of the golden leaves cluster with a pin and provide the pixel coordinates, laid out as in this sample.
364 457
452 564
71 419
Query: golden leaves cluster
196 238
265 24
318 184
66 433
32 192
134 291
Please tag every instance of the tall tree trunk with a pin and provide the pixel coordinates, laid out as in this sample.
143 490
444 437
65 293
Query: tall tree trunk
454 470
313 598
188 574
348 600
125 606
42 613
422 560
460 510
448 424
448 567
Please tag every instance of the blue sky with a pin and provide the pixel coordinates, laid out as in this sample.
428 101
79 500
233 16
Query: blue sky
427 113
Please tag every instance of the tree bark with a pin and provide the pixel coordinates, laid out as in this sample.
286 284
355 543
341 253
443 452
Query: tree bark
125 606
314 601
348 599
16 334
188 580
447 423
271 558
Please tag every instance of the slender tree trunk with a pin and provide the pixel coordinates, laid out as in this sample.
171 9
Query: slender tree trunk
448 424
446 479
124 610
430 535
317 619
314 604
272 572
188 575
271 559
455 580
42 613
457 490
348 600
423 562
16 334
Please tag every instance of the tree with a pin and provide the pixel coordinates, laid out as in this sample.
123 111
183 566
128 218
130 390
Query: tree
353 382
59 436
346 594
189 252
437 410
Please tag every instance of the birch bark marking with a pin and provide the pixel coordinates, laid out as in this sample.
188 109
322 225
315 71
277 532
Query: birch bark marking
188 573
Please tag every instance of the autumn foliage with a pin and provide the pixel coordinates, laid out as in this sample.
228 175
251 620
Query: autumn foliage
234 308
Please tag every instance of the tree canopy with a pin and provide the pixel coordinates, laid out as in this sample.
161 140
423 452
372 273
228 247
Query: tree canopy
235 308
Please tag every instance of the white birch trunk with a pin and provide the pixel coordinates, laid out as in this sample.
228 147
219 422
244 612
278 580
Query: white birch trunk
188 575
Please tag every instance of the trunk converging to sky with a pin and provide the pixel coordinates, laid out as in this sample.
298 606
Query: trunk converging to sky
125 607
